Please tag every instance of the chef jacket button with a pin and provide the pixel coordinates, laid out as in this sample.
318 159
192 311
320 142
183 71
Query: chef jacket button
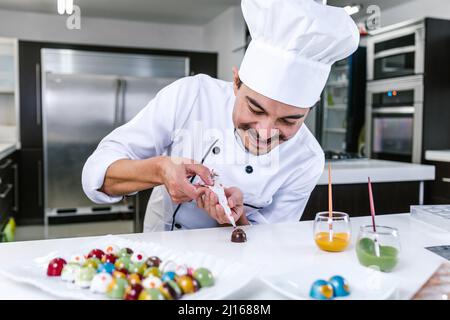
177 225
216 150
249 169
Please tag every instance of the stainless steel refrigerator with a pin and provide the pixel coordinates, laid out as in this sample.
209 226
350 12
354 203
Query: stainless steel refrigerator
85 95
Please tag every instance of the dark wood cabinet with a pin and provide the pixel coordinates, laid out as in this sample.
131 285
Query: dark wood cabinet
30 95
438 191
8 187
389 198
31 186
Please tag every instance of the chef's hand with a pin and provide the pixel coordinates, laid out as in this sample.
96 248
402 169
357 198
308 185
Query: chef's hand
175 174
210 203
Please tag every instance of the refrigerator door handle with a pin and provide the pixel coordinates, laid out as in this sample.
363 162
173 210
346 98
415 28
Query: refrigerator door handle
117 103
38 94
122 99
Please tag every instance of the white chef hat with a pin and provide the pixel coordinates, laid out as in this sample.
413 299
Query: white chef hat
294 43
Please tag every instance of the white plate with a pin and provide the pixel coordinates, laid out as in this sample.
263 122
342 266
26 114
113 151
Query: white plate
366 285
229 276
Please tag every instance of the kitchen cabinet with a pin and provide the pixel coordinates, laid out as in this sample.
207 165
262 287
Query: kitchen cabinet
8 187
390 197
438 191
31 207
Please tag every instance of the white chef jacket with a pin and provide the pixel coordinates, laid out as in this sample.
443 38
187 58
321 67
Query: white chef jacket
192 118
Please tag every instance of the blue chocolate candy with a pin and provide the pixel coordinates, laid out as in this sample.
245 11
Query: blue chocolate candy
169 275
321 290
340 286
106 267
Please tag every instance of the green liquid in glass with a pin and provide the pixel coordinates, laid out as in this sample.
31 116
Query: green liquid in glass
365 250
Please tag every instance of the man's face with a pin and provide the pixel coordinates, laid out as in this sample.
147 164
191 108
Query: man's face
263 123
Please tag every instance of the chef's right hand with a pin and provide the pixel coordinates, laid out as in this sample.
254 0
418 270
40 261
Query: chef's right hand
176 172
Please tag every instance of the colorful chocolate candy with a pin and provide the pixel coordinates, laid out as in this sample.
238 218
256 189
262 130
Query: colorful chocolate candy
116 288
84 277
187 284
133 291
121 273
151 294
204 277
151 282
335 287
138 267
321 290
55 267
100 282
171 290
106 267
77 258
111 258
69 272
125 252
340 286
138 257
153 262
170 275
96 253
92 262
122 263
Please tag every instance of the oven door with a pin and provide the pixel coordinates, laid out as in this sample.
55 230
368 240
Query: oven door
393 134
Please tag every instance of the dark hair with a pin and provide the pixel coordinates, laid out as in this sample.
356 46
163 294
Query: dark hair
239 83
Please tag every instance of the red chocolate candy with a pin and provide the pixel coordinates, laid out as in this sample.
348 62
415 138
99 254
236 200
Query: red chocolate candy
111 258
55 267
96 253
133 291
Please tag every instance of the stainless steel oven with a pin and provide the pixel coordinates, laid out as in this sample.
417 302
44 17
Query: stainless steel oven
396 53
394 119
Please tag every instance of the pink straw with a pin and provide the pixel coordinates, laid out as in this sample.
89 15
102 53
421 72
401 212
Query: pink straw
372 207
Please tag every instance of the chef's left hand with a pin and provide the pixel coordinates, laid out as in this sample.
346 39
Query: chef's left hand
210 203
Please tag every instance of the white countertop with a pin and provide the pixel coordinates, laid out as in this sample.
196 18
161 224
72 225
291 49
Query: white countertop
357 170
6 149
277 248
437 155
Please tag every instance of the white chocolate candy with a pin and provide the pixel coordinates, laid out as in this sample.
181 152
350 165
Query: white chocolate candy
168 265
69 272
138 257
77 258
100 282
112 249
181 270
151 282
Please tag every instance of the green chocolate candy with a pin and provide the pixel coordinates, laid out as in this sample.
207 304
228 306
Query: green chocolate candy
125 252
365 251
151 294
92 262
138 267
122 263
171 290
152 271
204 277
84 277
116 289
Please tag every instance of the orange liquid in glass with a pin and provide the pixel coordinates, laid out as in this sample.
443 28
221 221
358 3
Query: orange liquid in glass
337 243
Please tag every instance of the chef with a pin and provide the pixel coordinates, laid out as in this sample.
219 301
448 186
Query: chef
248 135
